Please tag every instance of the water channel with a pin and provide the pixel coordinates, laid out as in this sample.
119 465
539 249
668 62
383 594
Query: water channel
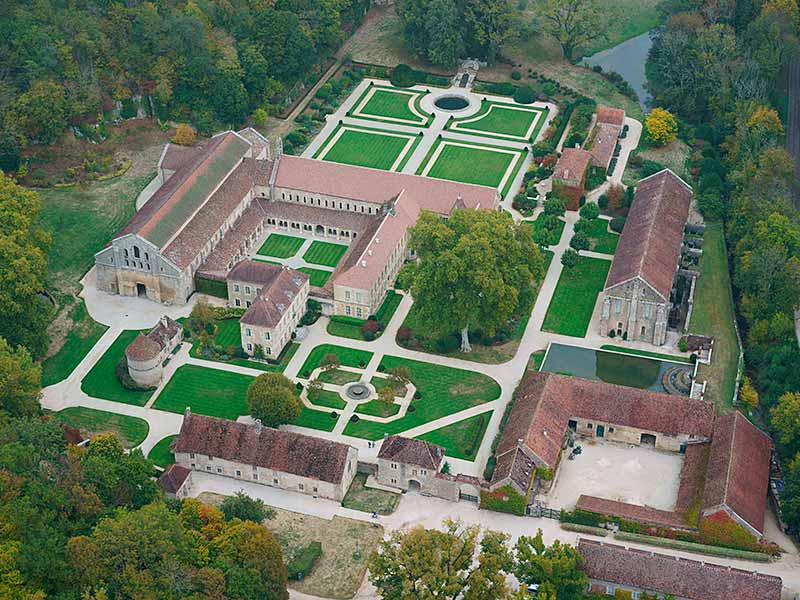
627 59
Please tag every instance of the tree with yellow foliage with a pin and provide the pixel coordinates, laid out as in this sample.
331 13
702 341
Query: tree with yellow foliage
748 395
662 128
184 135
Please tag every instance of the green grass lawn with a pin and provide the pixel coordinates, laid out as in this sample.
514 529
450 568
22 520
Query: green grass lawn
600 238
348 357
366 148
80 339
360 497
398 388
338 376
327 399
281 246
324 253
713 315
376 408
316 419
229 334
388 307
160 454
658 355
444 391
537 222
209 392
572 304
388 102
316 277
536 360
350 329
101 381
504 119
131 431
457 163
462 439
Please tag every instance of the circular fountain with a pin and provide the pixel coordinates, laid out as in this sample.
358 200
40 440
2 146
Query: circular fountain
357 391
451 103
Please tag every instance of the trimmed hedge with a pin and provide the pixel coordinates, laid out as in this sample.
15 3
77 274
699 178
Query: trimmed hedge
692 547
584 529
212 287
505 499
304 561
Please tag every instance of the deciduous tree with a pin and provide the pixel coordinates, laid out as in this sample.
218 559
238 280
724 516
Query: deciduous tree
20 381
573 23
556 568
272 398
662 128
785 421
184 135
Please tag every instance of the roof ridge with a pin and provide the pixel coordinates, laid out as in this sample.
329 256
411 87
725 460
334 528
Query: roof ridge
649 235
730 460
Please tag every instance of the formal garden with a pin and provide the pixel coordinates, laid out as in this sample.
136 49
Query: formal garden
160 454
278 245
503 120
320 258
391 105
367 147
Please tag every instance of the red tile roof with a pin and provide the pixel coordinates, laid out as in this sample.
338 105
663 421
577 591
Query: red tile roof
173 478
631 512
738 469
174 156
572 164
235 245
680 577
650 244
280 285
545 402
612 116
285 451
147 347
412 452
605 141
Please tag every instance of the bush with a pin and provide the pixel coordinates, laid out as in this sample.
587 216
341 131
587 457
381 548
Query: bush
505 499
128 110
303 561
241 506
584 529
554 206
417 395
582 517
602 201
683 345
590 211
447 344
402 76
650 167
516 75
354 418
661 126
580 241
611 166
524 95
406 276
184 135
403 334
617 224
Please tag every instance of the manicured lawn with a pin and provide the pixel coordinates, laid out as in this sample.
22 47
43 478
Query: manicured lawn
572 304
281 246
160 454
462 439
80 339
376 408
388 307
324 253
316 277
348 357
658 355
601 239
229 334
379 383
504 120
360 497
131 431
338 376
391 103
366 147
209 392
101 381
327 399
536 360
346 327
316 419
713 315
444 391
458 163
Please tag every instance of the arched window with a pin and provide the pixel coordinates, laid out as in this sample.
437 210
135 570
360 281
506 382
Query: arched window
136 251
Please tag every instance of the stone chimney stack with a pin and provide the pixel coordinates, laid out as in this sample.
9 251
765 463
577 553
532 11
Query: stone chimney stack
259 426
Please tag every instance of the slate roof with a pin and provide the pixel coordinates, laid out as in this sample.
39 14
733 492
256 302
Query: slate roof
173 478
545 402
280 285
572 164
650 244
284 451
680 577
412 452
738 469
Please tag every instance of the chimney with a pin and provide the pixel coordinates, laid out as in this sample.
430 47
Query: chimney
187 412
258 425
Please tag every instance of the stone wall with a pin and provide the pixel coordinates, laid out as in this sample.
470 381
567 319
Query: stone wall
634 308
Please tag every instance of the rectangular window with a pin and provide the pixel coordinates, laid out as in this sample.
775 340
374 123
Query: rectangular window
315 489
255 476
235 287
219 469
238 473
237 302
267 350
301 486
347 310
247 289
191 455
266 335
247 303
250 347
347 295
208 468
248 332
275 480
617 306
647 309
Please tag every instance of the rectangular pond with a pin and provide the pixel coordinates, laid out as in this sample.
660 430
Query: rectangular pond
653 374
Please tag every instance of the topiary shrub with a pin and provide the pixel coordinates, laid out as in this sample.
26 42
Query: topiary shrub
590 210
417 395
402 76
617 224
516 75
354 419
524 95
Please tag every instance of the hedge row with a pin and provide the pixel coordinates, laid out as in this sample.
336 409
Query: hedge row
585 529
212 287
692 547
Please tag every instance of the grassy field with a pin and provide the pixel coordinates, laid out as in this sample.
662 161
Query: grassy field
229 333
392 103
101 381
360 497
281 246
658 355
338 376
461 439
376 408
600 238
572 304
348 357
316 419
131 431
503 119
346 329
457 163
443 390
327 399
713 315
324 253
81 338
316 277
209 392
160 454
366 147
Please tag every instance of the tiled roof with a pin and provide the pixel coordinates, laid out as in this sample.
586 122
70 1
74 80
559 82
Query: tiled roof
284 451
380 187
680 577
412 452
631 512
176 156
738 469
147 347
612 116
295 211
605 141
545 402
650 244
516 466
235 245
572 164
173 478
280 286
693 477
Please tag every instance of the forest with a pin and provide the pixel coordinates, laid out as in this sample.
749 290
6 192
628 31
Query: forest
210 63
723 69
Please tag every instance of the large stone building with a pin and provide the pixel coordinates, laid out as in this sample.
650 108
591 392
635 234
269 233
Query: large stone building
218 201
570 172
611 567
275 298
603 138
636 300
257 454
146 354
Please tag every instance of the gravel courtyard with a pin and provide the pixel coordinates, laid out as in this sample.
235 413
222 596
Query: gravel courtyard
634 474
